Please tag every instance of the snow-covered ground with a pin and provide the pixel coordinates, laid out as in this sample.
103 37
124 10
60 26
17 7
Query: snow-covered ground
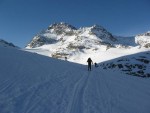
31 83
99 55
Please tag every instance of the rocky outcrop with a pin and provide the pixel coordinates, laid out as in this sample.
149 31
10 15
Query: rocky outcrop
136 66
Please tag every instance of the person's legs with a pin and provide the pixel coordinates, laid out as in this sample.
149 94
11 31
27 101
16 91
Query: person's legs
90 67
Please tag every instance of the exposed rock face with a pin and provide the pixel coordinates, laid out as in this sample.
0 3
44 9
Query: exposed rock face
102 33
136 66
61 28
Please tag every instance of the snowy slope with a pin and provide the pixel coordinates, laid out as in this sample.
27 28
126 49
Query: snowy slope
136 64
98 55
30 83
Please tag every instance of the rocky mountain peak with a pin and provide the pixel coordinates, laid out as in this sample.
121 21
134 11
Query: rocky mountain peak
102 33
60 32
61 26
97 27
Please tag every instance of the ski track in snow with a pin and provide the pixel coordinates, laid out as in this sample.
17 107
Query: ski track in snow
76 101
45 88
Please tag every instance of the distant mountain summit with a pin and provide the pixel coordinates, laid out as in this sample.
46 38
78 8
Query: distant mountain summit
6 44
143 39
59 32
102 33
62 26
145 34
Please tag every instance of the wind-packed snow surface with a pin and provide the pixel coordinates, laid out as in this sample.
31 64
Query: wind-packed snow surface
30 83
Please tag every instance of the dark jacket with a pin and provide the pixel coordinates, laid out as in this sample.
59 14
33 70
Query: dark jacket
89 61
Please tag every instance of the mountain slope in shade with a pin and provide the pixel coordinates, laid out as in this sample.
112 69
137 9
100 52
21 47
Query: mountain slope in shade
136 64
38 84
7 44
125 41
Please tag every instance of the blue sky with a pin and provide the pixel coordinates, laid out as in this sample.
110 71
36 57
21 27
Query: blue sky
20 20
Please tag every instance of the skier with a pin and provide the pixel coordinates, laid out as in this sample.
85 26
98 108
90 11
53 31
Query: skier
66 58
90 62
96 65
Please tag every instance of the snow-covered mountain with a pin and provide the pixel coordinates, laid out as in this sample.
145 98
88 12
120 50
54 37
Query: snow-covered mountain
53 34
65 33
143 39
31 83
7 44
61 40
